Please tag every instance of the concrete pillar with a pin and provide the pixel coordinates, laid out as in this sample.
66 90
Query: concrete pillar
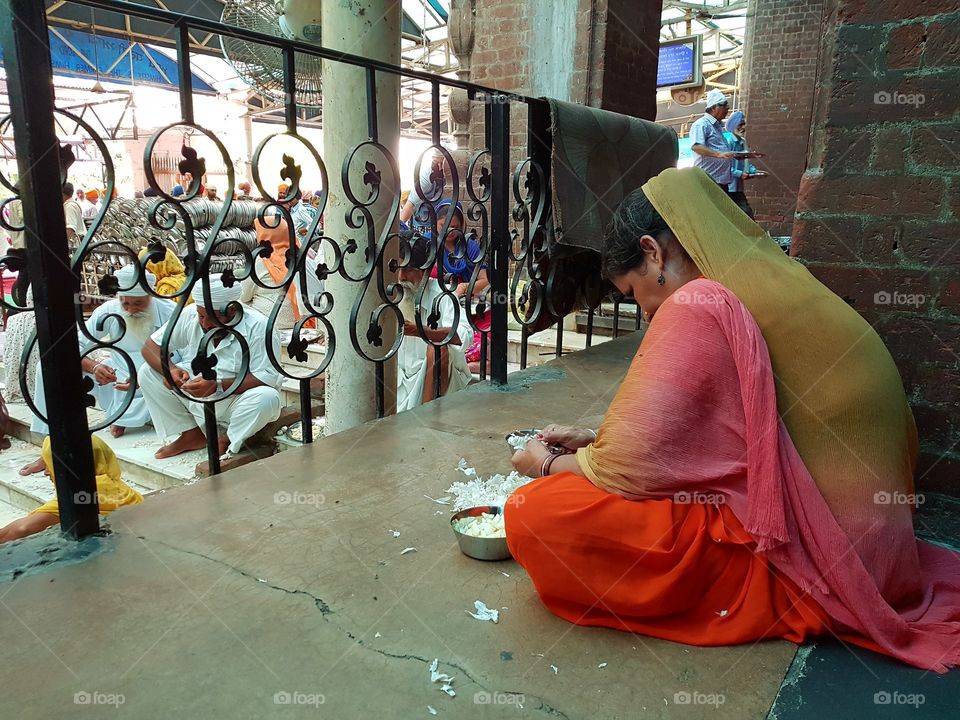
370 28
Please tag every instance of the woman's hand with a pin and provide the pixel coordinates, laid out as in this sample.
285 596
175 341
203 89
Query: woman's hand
567 437
529 460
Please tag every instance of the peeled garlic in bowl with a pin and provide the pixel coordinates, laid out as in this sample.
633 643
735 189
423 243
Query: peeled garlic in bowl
486 525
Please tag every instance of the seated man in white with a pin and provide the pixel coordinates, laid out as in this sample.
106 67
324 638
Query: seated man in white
142 314
252 405
417 359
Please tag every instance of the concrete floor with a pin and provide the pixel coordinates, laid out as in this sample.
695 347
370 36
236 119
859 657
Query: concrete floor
284 577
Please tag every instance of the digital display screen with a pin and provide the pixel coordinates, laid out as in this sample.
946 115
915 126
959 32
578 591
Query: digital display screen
679 63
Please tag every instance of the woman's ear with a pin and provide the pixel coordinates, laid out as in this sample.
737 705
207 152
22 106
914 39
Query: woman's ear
651 250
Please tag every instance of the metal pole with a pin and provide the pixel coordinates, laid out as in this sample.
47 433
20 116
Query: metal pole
499 235
26 54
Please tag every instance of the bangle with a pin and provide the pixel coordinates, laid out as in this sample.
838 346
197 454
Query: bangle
545 465
594 433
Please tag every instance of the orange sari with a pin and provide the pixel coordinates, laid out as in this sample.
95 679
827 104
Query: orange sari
276 264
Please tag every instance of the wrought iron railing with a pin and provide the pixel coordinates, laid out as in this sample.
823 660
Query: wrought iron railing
506 208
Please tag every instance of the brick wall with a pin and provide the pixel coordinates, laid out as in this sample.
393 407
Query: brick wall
779 75
878 217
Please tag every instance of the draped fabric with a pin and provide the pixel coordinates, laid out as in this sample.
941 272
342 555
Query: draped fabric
810 439
170 273
276 264
112 492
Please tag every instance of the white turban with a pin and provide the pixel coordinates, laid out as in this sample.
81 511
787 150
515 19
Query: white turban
127 276
219 294
716 97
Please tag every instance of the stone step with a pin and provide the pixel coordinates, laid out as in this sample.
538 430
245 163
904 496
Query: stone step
134 450
28 493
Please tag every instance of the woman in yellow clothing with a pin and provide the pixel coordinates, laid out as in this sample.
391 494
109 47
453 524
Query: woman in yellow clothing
170 272
112 493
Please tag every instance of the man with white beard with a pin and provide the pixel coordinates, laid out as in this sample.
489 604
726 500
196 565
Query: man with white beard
142 314
416 359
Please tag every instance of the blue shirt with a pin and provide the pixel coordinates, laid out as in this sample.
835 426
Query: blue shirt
708 131
739 167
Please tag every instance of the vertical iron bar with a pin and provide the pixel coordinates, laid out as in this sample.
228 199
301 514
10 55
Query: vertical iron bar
499 235
306 411
184 74
372 129
616 317
589 327
484 338
381 388
437 378
560 338
290 89
213 438
524 344
638 318
435 112
26 54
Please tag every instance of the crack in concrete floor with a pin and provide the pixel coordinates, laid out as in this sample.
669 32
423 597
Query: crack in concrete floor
326 611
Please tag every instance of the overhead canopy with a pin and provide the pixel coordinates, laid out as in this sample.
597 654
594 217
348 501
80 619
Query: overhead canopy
75 53
67 14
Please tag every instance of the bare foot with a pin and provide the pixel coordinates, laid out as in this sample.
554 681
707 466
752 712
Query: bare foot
4 443
33 468
117 430
190 440
224 444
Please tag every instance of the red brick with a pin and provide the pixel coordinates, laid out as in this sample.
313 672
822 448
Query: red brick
943 45
846 152
859 51
931 244
885 195
938 471
915 340
827 240
889 149
906 47
939 384
918 98
949 299
937 145
877 11
861 287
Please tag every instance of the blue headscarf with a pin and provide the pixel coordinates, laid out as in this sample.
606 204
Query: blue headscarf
735 121
460 268
177 191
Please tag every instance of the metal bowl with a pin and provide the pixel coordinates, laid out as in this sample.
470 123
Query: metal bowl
477 547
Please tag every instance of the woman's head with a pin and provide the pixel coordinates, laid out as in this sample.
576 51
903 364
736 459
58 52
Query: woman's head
641 255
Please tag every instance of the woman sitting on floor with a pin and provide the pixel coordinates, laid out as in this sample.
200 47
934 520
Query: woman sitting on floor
753 476
112 492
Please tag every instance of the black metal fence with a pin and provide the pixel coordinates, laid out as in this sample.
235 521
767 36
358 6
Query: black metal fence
506 208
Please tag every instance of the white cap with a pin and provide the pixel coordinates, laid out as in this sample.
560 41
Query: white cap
127 277
716 97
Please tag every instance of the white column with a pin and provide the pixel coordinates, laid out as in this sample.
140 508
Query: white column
369 28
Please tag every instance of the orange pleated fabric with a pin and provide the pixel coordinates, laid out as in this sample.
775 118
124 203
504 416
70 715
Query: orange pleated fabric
681 572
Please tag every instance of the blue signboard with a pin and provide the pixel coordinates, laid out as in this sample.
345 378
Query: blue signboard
678 64
73 55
